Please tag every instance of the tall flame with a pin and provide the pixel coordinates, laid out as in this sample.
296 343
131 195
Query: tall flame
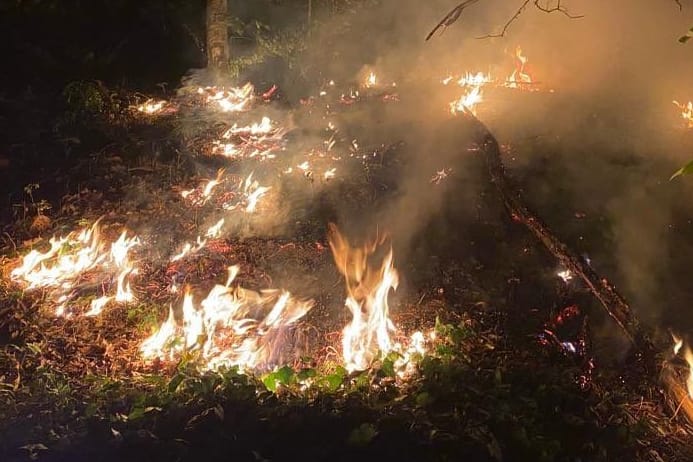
369 332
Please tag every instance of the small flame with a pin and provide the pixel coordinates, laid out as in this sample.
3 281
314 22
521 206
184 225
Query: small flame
151 106
519 77
686 112
371 80
369 332
678 343
688 356
231 100
467 102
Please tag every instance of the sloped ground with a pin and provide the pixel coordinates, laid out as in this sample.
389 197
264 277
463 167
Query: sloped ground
511 375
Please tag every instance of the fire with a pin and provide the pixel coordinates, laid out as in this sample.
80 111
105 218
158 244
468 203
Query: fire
371 80
468 102
253 192
688 357
474 80
151 106
519 77
255 140
235 99
62 266
231 326
370 330
686 112
200 196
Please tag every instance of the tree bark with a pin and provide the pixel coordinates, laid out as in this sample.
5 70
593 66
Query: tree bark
218 52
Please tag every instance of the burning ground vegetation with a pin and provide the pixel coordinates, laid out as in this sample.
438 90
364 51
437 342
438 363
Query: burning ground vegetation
244 290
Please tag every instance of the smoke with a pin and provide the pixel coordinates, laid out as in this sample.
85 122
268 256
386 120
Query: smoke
601 146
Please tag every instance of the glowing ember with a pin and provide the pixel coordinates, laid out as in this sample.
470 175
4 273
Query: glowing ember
230 327
231 100
69 258
151 106
566 275
686 112
369 332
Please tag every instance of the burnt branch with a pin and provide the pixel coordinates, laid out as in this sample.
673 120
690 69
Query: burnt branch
607 295
451 17
456 12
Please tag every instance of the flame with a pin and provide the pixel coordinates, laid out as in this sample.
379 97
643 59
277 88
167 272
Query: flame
230 327
468 102
253 192
370 329
371 80
686 112
259 139
61 267
474 80
232 100
678 343
688 356
151 106
200 196
519 75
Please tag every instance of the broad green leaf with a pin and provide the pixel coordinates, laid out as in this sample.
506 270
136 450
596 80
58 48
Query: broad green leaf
685 170
363 434
282 376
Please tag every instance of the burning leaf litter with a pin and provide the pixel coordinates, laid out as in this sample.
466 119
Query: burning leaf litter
686 112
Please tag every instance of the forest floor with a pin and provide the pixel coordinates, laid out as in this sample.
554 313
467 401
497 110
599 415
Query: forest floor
510 374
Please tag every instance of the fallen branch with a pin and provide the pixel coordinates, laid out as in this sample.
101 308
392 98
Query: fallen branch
601 288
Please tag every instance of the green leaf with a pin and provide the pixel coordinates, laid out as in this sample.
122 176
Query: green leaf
305 374
685 170
136 413
333 381
362 435
175 382
282 376
423 399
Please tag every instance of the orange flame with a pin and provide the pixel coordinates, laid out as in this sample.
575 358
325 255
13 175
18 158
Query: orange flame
69 257
151 106
519 75
370 329
468 102
232 100
686 112
230 327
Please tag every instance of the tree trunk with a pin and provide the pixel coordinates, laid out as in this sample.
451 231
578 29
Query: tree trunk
217 37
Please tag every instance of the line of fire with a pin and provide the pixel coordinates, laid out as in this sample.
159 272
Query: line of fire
346 230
